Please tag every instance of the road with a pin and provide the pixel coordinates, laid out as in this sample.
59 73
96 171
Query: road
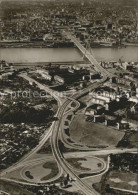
54 131
55 134
59 157
45 157
55 145
86 189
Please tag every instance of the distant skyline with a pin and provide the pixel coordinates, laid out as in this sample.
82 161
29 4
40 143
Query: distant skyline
57 0
129 2
25 0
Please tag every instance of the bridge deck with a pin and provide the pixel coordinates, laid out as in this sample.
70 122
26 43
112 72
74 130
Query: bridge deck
89 56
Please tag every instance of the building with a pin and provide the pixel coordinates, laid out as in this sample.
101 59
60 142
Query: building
113 105
134 109
86 78
95 109
59 79
107 65
83 84
110 120
40 71
105 95
5 76
134 99
127 66
44 74
96 100
131 78
123 126
136 92
99 118
71 70
102 97
95 76
75 67
32 83
8 68
99 96
120 81
112 95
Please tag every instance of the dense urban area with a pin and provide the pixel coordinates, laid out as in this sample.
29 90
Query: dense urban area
68 128
94 22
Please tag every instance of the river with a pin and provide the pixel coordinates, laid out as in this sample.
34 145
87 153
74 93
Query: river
22 55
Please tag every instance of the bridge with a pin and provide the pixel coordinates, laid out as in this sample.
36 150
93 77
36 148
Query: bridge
88 55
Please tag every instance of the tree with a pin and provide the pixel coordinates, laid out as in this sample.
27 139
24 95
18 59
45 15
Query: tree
107 188
67 177
65 182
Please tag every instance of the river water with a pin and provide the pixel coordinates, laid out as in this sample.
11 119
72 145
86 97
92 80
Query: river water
22 55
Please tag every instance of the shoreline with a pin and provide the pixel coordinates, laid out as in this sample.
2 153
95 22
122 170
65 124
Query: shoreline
35 64
47 63
40 45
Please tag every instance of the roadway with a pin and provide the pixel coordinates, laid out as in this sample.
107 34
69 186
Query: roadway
56 127
55 135
54 132
45 157
86 189
60 158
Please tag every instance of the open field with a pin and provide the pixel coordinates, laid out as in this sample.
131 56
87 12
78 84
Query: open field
87 164
40 172
133 139
54 170
93 134
122 180
15 175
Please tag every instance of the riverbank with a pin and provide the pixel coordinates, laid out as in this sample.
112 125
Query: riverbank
35 44
50 63
57 64
131 44
41 44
